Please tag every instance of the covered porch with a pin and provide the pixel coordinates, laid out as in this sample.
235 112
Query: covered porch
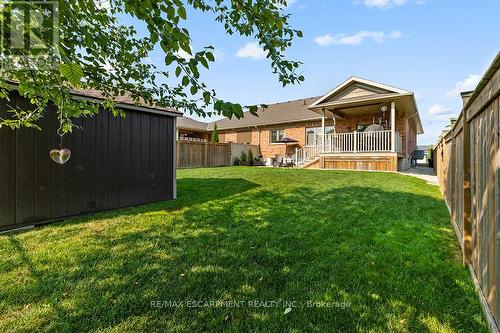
371 123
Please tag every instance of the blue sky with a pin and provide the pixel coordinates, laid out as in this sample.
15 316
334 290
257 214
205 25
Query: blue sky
434 48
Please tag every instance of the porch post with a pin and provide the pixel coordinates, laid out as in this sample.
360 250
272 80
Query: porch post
323 130
393 127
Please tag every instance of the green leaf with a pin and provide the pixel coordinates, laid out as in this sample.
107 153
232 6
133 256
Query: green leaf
204 62
182 12
170 12
185 47
72 72
194 90
218 105
253 110
207 97
185 80
237 111
169 59
210 56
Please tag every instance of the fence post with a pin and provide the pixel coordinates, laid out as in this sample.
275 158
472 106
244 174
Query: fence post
296 156
467 223
206 155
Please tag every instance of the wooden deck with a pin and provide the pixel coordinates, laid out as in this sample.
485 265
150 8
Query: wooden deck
356 161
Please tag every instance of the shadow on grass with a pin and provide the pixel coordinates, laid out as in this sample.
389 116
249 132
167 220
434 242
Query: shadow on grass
388 256
191 191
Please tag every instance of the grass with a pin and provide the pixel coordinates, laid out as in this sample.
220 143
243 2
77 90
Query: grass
379 247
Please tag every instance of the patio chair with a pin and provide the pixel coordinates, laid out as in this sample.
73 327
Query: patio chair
278 161
287 162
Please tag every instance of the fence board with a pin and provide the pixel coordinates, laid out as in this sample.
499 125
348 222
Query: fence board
474 155
497 207
202 154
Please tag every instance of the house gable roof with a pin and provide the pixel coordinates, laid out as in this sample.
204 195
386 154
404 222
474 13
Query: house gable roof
356 88
356 91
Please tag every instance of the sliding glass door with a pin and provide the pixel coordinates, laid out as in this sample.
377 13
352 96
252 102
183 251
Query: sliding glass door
314 133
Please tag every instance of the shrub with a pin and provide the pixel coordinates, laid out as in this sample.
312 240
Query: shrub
250 155
243 156
215 135
236 161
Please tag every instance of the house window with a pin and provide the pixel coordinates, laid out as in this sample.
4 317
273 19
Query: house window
276 135
314 133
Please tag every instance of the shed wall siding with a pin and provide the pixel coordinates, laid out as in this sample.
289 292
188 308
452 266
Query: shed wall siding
115 162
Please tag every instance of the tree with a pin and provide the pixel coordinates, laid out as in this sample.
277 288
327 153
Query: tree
215 135
98 51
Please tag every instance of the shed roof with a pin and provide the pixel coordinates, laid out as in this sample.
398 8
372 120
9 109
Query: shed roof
124 101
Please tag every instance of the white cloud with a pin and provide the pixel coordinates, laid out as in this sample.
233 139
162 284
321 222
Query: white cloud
251 50
384 4
439 110
324 40
358 38
469 83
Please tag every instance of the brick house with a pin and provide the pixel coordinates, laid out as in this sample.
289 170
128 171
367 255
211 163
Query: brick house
360 124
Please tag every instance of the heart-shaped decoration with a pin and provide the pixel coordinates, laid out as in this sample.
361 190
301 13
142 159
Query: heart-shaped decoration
60 156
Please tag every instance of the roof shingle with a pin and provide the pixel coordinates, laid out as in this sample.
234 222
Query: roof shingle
278 113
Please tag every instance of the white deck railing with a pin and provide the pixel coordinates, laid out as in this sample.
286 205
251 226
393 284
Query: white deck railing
354 142
307 152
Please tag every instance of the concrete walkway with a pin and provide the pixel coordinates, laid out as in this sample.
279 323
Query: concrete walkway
422 172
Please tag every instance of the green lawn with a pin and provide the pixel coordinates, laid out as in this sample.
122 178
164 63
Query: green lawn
379 247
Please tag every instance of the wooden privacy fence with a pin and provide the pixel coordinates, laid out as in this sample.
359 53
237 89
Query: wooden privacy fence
198 154
467 162
192 154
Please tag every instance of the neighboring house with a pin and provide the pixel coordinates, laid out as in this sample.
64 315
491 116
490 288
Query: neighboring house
192 130
360 124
